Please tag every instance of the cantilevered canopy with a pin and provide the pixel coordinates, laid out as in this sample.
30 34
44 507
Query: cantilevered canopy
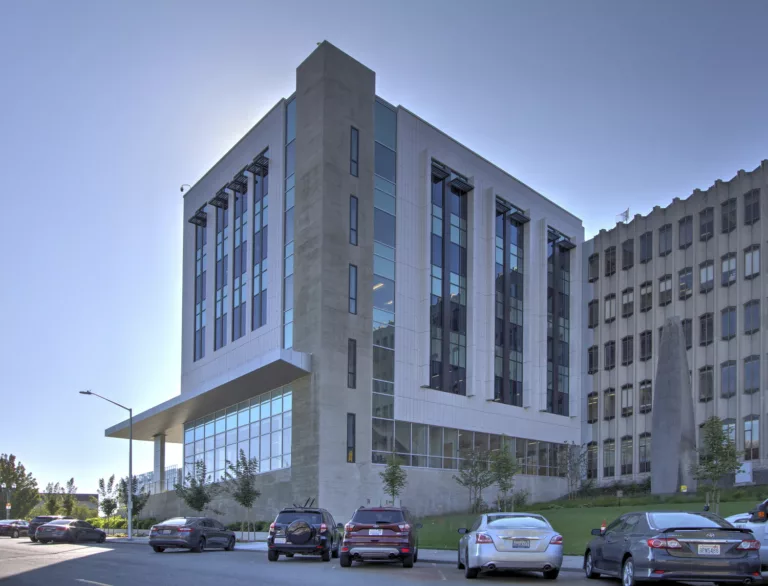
275 369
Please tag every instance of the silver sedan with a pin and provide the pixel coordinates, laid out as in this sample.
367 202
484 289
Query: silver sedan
510 541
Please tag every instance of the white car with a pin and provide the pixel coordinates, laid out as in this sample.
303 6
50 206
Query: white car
510 541
742 521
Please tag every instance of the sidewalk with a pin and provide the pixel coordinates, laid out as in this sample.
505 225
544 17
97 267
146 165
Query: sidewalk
571 563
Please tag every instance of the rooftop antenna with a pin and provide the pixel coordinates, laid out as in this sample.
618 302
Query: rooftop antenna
623 217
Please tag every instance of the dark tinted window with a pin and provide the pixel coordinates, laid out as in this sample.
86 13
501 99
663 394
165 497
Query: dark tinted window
380 517
289 517
43 519
179 521
501 522
670 520
61 522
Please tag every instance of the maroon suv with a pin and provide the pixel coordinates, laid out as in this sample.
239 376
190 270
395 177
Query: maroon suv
380 533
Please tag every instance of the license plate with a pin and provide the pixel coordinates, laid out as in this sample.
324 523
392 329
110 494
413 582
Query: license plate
166 532
709 550
375 532
279 540
521 543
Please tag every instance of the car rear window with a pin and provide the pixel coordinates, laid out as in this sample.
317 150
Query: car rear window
517 522
42 519
378 517
178 521
683 520
61 522
288 518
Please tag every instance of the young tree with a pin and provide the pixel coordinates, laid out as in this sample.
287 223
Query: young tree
717 458
139 498
51 498
572 464
394 477
108 497
26 495
197 492
240 483
475 476
503 467
68 500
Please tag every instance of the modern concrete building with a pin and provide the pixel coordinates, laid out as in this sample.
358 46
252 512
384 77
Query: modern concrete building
355 283
698 259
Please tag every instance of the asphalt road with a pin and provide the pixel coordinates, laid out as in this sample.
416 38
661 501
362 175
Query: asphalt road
23 563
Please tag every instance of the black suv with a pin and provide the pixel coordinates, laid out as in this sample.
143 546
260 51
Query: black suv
41 520
306 531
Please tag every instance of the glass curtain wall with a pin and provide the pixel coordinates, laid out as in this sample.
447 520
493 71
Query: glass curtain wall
290 182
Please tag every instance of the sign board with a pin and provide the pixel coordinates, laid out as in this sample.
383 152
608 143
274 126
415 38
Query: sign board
619 494
744 475
683 488
7 506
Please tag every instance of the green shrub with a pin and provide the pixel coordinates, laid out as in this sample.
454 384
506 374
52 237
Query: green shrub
95 521
146 523
255 526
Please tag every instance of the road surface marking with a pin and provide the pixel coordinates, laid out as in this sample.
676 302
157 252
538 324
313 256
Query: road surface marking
92 582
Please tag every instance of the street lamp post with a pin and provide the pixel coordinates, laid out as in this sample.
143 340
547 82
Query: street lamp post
8 490
129 484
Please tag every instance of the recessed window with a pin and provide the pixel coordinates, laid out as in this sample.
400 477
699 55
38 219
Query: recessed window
752 437
351 433
752 206
728 379
706 224
728 216
665 240
665 290
201 266
610 355
610 261
627 395
592 408
591 460
594 268
646 296
706 384
354 151
609 404
593 319
626 455
728 323
646 247
685 282
728 269
351 363
687 332
685 235
627 302
751 374
706 276
592 360
646 345
352 289
628 254
646 396
222 279
627 350
353 220
609 458
644 452
752 261
610 308
706 329
752 316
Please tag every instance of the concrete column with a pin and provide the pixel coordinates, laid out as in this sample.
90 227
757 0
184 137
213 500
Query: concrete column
158 477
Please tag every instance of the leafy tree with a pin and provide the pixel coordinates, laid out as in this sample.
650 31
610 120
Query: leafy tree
197 492
26 495
139 498
503 467
572 464
475 476
51 498
717 458
240 483
68 500
108 497
394 477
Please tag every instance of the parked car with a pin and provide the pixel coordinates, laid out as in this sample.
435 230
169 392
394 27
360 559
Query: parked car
510 541
304 531
193 533
13 528
70 531
41 520
380 533
673 546
755 521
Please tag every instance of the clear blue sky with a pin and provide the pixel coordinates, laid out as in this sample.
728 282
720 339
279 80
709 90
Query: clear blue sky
107 108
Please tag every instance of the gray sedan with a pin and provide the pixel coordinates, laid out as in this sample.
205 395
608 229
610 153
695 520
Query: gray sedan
193 533
510 541
673 546
70 531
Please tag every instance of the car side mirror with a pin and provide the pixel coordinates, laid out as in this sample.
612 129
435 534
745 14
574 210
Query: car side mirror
463 531
597 532
418 525
757 517
339 526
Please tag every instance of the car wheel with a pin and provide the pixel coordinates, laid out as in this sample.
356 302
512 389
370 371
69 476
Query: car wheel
408 561
158 549
552 574
628 573
345 561
469 573
335 552
44 541
326 555
459 565
102 538
589 567
416 555
230 544
33 539
272 555
200 546
15 534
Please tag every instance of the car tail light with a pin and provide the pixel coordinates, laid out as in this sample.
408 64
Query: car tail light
749 545
556 540
185 529
404 527
272 528
153 529
664 543
323 527
483 538
59 528
349 527
405 550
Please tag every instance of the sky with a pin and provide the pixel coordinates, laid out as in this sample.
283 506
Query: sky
106 108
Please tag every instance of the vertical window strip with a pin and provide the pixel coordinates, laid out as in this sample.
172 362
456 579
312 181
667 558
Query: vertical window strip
201 265
353 220
260 249
239 267
288 222
222 283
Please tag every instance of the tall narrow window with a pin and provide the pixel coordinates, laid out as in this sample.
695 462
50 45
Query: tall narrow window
354 151
592 416
610 355
609 458
609 404
646 345
751 374
558 319
646 296
665 290
706 384
728 379
627 350
508 359
593 315
728 323
610 261
706 329
665 239
627 302
352 289
240 266
752 206
260 247
728 269
752 316
351 363
728 215
706 224
593 268
752 261
752 437
591 460
592 360
729 429
627 400
288 240
351 432
222 259
610 308
646 247
646 396
644 452
685 279
688 333
353 220
685 235
626 455
706 276
628 254
201 265
448 302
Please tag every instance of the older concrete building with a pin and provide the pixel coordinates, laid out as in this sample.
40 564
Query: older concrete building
698 259
357 283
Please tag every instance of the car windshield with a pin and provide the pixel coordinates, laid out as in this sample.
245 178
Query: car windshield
378 517
683 520
287 518
178 521
516 522
42 519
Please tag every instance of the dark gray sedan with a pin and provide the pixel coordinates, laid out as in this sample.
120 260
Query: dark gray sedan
70 531
193 533
673 546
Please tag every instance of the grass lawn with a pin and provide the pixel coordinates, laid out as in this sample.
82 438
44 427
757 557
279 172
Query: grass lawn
573 524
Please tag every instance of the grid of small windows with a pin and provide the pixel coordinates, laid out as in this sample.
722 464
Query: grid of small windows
261 248
728 215
685 282
751 374
222 283
239 266
706 329
706 223
728 269
609 458
609 359
752 206
610 261
646 396
685 234
626 455
646 345
646 296
646 247
752 316
752 261
665 239
728 323
628 254
706 276
706 384
260 428
665 290
627 302
201 267
728 378
288 240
